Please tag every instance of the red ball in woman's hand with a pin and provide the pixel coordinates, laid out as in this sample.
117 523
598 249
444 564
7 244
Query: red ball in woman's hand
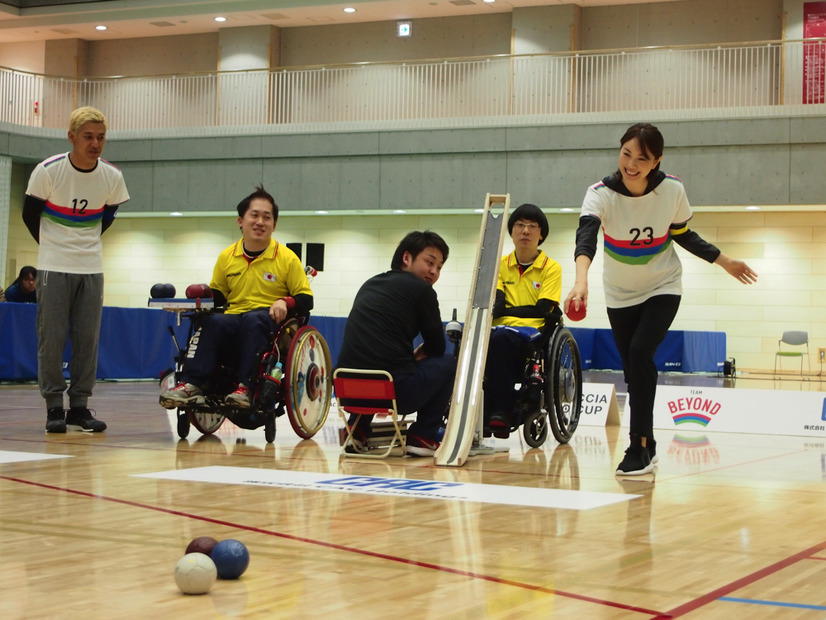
573 313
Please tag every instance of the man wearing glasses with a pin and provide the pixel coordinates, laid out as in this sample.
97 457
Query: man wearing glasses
529 289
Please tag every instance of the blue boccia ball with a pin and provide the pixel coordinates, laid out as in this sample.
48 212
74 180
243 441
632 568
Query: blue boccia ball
231 558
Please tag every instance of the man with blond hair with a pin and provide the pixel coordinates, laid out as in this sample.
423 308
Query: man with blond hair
70 201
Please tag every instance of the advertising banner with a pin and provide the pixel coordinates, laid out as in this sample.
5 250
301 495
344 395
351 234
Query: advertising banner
765 412
814 52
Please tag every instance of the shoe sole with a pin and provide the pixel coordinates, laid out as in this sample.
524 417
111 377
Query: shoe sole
235 403
350 449
169 403
417 451
639 472
78 427
56 431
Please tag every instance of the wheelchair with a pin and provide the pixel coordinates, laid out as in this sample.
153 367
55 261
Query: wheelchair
303 392
549 397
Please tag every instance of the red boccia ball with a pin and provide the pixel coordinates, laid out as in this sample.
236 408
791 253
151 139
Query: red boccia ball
202 544
573 313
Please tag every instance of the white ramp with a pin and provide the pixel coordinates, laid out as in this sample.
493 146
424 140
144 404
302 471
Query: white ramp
466 404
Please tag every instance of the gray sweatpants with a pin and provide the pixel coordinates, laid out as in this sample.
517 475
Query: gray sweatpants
68 304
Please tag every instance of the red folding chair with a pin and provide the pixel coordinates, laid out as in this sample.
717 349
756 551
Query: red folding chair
369 392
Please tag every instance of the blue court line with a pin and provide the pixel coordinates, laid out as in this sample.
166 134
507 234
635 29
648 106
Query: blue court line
772 603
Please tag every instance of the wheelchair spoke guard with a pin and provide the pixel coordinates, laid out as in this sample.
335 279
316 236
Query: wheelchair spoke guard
206 422
309 372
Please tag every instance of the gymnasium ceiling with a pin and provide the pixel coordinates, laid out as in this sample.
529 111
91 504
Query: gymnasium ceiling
37 20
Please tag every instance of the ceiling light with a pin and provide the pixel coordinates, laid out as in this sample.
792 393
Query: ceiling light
752 208
349 9
321 212
175 213
100 27
488 1
220 19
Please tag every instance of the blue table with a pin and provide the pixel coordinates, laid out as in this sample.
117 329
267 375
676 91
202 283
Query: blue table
134 342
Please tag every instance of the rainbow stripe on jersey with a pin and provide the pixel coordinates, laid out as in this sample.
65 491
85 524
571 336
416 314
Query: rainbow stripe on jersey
72 216
634 253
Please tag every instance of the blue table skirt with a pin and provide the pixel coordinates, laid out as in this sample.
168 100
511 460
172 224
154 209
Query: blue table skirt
681 351
135 343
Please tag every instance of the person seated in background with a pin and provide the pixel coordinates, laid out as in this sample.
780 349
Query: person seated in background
24 289
390 310
528 290
261 282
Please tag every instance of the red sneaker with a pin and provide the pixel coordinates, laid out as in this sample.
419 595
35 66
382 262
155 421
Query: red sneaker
182 395
419 446
240 397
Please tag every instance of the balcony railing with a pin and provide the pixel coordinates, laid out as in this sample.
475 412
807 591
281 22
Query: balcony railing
678 82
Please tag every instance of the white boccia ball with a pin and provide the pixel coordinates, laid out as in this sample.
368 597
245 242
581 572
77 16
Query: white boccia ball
195 573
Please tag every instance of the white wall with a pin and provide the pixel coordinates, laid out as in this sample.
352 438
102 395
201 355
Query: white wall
681 23
24 56
788 250
451 37
154 55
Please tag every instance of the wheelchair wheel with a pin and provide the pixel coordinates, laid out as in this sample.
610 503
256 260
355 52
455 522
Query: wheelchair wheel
206 422
535 429
269 428
563 385
309 371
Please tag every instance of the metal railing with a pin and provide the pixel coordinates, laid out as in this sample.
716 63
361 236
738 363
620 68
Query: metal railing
737 79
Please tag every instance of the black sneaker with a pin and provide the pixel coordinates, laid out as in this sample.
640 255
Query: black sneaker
55 420
636 461
81 419
651 446
358 445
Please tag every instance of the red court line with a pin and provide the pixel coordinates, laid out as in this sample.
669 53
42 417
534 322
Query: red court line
329 545
727 589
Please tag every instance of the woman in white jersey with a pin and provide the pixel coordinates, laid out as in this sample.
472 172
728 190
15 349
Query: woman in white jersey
641 210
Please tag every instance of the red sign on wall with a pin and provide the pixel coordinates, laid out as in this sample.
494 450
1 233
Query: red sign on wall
814 52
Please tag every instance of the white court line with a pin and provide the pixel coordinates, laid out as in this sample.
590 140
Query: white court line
22 457
429 489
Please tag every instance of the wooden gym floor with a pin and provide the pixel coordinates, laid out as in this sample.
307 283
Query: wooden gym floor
729 526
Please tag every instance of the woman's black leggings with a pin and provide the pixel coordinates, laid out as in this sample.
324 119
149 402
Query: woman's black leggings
638 331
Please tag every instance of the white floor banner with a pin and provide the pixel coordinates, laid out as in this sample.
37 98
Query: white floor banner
405 487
